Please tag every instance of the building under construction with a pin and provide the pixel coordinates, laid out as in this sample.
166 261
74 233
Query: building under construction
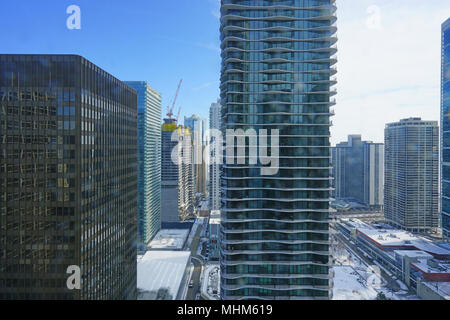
177 194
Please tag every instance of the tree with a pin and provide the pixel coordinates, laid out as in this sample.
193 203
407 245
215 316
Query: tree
382 296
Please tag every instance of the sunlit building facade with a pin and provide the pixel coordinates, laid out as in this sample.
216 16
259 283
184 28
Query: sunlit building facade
214 167
277 72
411 188
177 185
149 161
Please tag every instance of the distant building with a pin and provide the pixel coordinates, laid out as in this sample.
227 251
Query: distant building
69 180
198 124
445 133
149 164
198 127
412 174
358 170
214 170
177 194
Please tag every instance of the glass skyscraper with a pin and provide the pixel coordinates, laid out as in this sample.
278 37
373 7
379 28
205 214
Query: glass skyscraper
277 73
68 175
149 161
445 137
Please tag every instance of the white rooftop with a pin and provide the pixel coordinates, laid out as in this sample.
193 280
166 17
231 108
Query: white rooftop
172 239
397 238
440 268
158 270
413 254
215 217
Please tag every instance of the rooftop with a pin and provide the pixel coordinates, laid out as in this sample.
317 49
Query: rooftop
172 239
215 217
425 266
413 254
398 238
412 122
161 272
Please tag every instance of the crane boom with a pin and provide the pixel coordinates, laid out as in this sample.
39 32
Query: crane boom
170 113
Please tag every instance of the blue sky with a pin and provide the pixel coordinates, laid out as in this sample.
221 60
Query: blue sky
389 51
160 41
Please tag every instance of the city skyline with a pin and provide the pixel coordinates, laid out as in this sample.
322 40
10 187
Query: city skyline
369 31
315 167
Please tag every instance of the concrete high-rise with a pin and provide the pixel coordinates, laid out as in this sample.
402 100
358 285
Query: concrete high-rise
277 74
149 161
411 188
214 168
69 179
358 171
445 132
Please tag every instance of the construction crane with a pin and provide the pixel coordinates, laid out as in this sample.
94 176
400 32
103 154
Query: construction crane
170 109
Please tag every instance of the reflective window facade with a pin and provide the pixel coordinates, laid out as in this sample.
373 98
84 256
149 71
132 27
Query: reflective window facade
149 161
68 174
445 132
278 70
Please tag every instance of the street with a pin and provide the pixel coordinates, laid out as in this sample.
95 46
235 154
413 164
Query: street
198 263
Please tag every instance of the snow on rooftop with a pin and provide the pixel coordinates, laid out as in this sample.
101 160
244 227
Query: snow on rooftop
169 239
215 217
440 268
397 238
445 245
413 254
162 270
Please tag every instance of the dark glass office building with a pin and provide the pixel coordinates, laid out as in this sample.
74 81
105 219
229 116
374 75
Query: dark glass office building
277 73
68 174
445 131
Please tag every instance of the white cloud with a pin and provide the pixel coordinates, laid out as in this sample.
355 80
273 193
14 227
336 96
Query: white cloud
205 85
390 71
216 11
209 46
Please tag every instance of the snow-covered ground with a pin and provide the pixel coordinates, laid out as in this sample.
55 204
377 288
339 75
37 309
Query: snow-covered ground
211 282
348 285
354 279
